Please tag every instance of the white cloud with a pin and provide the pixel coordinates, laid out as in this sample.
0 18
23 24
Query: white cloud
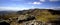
42 0
55 8
12 8
54 0
9 8
36 3
16 0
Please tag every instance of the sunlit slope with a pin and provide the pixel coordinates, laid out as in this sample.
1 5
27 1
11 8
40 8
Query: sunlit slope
43 15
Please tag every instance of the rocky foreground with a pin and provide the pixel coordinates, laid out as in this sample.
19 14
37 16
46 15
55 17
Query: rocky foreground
33 17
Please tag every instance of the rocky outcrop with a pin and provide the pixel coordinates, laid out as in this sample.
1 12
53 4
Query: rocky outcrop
26 19
35 17
4 23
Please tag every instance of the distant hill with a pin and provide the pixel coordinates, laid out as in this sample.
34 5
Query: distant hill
42 14
7 14
37 10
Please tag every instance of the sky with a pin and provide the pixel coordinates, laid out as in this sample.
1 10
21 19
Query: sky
28 4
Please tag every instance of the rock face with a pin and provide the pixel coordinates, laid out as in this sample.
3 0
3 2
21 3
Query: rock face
33 22
26 19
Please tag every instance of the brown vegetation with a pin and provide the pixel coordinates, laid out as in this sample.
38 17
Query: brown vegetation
43 15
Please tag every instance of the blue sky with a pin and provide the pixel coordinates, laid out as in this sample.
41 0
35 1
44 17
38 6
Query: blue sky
28 4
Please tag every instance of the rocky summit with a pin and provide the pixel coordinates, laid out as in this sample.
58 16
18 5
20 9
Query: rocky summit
31 17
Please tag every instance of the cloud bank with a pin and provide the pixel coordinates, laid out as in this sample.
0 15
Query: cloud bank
12 8
35 3
53 0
